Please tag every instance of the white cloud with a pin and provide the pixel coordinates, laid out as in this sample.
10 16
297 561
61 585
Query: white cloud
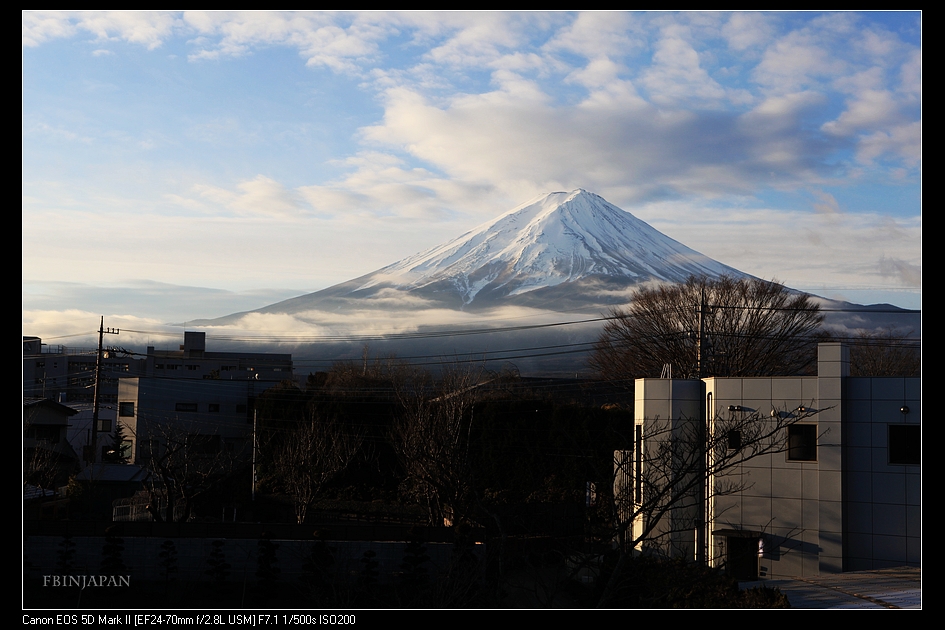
148 28
599 35
908 274
807 250
826 204
676 75
260 196
747 30
795 62
42 26
903 142
872 109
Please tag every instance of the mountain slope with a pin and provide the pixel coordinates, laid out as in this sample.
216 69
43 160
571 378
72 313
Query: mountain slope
567 249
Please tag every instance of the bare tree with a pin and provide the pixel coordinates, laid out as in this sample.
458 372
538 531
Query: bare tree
41 468
431 438
312 455
186 464
885 353
705 327
663 486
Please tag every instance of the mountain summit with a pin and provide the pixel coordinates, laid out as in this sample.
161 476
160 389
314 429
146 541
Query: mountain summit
557 238
559 251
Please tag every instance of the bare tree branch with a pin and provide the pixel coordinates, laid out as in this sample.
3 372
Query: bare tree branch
311 456
751 327
431 438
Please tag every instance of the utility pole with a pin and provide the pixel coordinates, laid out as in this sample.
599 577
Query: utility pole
700 348
255 448
91 455
702 528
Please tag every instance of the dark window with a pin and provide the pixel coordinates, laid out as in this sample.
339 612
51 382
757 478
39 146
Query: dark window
734 440
185 407
126 409
905 444
104 426
802 442
44 432
213 407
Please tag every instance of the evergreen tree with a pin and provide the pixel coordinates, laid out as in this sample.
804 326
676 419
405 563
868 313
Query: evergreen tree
65 560
117 454
218 569
113 551
267 569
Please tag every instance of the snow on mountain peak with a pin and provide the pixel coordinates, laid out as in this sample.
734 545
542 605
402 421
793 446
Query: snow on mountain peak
553 239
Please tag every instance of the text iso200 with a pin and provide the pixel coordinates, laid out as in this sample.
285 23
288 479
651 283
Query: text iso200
335 620
324 620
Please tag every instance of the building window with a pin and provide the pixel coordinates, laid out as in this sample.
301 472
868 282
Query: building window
104 425
734 440
44 433
185 407
802 443
905 444
192 367
213 407
126 409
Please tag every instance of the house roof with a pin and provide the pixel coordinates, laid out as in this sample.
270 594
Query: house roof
120 473
49 403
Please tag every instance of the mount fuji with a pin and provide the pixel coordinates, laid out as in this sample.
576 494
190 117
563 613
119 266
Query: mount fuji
561 256
559 251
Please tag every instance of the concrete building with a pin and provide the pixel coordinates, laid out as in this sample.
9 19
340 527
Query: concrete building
68 374
220 412
841 492
193 361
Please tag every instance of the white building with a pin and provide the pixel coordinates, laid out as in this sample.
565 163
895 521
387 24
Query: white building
221 412
841 493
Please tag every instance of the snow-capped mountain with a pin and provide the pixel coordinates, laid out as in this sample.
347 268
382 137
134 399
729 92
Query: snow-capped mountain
559 251
554 239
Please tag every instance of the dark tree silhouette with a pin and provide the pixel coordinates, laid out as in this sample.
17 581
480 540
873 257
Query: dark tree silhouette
706 327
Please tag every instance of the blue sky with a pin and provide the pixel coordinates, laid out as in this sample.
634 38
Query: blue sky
182 165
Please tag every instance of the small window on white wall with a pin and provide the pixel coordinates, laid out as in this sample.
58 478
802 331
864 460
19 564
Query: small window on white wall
802 443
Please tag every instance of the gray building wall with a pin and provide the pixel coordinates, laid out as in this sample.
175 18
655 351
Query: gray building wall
849 508
197 407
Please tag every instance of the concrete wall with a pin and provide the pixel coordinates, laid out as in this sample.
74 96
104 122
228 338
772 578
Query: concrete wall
848 508
881 499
